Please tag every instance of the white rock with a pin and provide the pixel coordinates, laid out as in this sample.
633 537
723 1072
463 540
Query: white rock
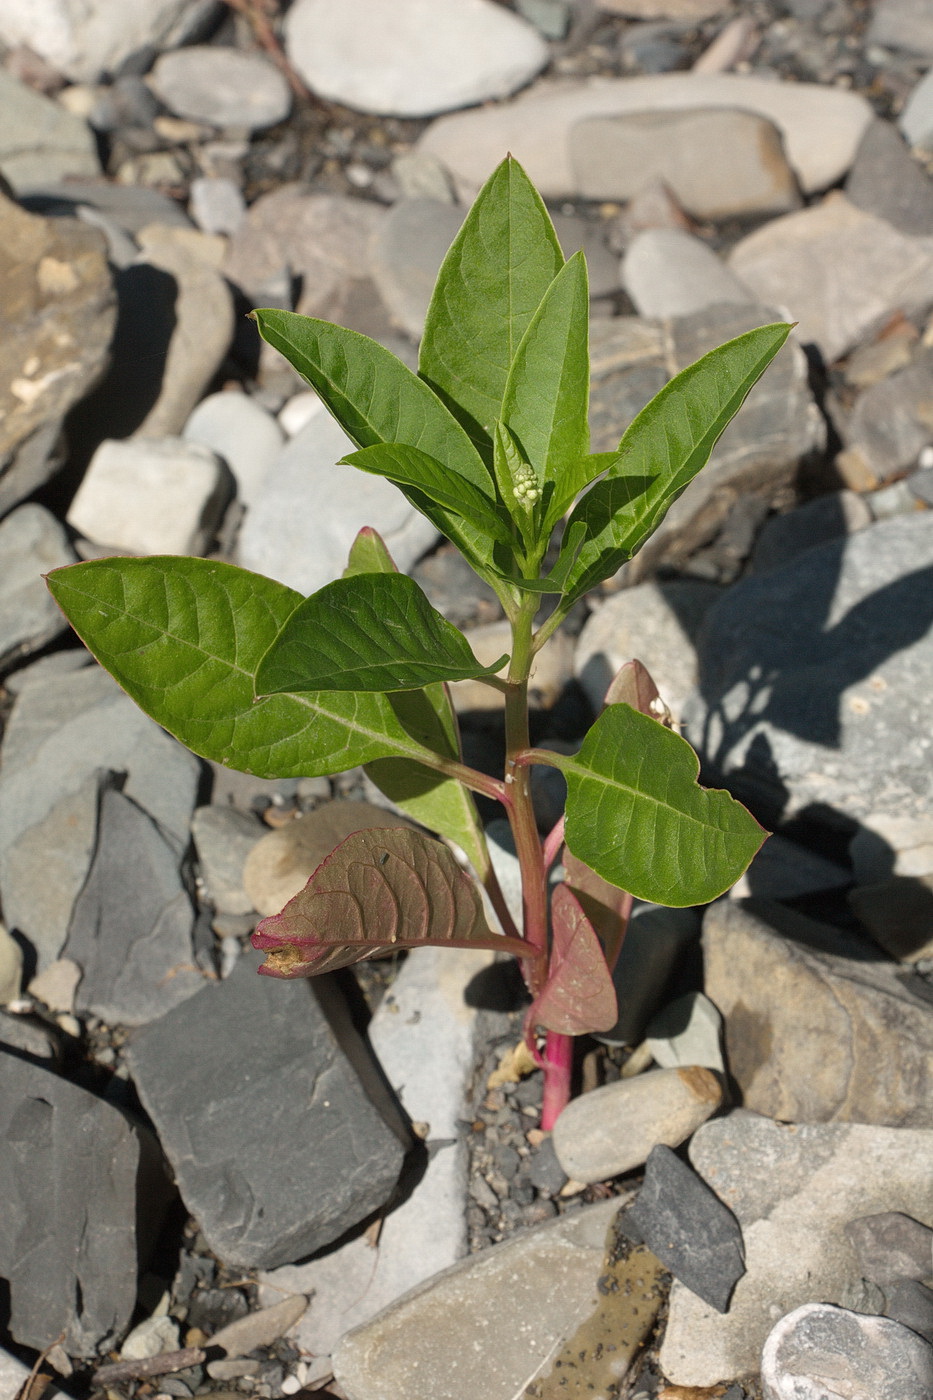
821 126
151 496
310 510
667 272
242 433
412 58
839 272
221 86
84 39
151 1338
298 411
818 1352
422 1034
216 203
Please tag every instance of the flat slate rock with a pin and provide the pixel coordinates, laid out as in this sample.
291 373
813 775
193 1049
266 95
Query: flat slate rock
69 1167
31 543
276 1147
688 1228
133 922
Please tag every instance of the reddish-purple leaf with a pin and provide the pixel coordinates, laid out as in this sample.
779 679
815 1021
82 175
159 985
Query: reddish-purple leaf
632 685
380 890
579 995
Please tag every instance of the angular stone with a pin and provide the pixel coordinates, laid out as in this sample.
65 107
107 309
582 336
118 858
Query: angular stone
250 1062
221 86
282 862
424 57
31 543
821 126
240 431
792 1188
653 622
56 321
423 1035
151 496
223 839
690 1230
841 638
892 1246
667 272
719 163
85 39
613 1129
306 549
805 1011
69 1166
818 1352
133 922
840 272
892 421
40 141
456 1334
886 180
687 1031
62 730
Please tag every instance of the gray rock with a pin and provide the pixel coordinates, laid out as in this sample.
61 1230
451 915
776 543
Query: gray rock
667 272
653 622
819 1352
814 679
656 940
628 366
57 663
407 254
456 1335
786 870
221 86
829 517
40 140
911 1303
31 543
305 549
902 24
70 1165
217 204
892 1246
423 1035
11 968
59 734
223 839
240 431
887 181
687 1031
151 496
614 1129
793 1188
821 126
260 1329
719 163
24 1036
85 39
916 120
246 1063
130 207
412 62
56 321
891 422
132 925
688 1228
602 266
840 272
805 1009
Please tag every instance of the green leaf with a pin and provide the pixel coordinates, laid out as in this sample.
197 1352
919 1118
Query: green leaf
662 450
442 804
371 632
490 285
184 637
382 889
579 995
369 555
636 815
544 404
374 397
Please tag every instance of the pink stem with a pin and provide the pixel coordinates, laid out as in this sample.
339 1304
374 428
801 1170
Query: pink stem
558 1060
553 842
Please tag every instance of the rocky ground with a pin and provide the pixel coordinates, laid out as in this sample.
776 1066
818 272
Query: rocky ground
220 1184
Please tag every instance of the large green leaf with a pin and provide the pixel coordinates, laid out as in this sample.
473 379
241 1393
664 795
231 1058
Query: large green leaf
370 632
544 404
184 638
637 816
372 394
662 450
490 285
382 889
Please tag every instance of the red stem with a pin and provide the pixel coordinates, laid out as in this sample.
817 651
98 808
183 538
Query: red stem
558 1061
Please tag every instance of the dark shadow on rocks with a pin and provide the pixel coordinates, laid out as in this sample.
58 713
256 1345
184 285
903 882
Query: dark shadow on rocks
499 987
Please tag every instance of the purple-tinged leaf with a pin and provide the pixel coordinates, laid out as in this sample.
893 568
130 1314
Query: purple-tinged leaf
380 890
579 995
633 685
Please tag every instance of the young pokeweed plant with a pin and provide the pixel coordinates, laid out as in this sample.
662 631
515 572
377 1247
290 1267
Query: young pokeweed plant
489 440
